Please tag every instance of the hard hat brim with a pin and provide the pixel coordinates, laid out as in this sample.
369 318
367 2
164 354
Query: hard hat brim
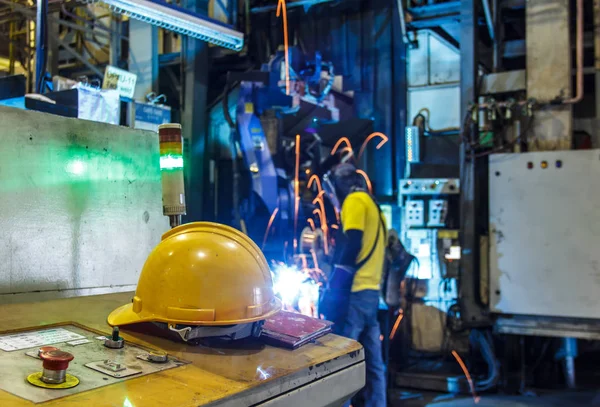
125 315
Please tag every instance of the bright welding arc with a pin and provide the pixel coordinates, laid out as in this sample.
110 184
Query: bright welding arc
384 139
281 6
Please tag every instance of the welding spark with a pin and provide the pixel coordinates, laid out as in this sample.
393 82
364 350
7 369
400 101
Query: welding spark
315 178
296 190
396 325
476 398
323 219
334 226
367 180
281 7
271 219
339 142
318 197
264 375
384 139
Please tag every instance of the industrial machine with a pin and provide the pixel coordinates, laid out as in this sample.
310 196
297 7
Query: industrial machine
150 350
283 129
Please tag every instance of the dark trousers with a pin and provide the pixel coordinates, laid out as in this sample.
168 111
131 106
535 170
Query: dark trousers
361 324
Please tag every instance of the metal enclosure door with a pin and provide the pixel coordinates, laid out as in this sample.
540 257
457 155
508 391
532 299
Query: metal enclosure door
545 233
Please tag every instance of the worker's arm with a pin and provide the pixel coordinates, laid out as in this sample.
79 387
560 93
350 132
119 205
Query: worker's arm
352 249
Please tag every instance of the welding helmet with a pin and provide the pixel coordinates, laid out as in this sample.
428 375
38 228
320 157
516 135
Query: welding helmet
340 181
202 275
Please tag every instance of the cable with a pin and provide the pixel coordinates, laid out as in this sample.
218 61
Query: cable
427 119
510 144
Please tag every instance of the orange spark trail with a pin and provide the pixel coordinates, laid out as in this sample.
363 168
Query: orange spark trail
296 190
476 398
335 227
367 180
271 219
384 139
281 6
339 142
396 324
323 217
315 178
318 197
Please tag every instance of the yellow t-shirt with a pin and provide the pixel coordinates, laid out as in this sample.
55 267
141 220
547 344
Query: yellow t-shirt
359 212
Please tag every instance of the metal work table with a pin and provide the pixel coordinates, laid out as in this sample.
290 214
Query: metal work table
325 373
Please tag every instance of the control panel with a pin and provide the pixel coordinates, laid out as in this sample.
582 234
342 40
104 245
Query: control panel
415 213
429 186
438 209
71 359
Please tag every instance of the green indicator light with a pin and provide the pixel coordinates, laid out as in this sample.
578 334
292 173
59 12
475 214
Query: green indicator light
76 167
171 162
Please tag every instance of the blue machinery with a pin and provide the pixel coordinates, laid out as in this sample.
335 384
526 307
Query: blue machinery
272 187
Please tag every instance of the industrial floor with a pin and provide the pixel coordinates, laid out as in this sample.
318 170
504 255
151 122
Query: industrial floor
413 398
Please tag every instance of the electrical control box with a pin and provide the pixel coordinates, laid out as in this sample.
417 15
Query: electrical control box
414 213
93 364
429 186
545 233
430 202
438 209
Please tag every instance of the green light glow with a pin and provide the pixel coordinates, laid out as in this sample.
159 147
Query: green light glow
171 162
127 403
76 167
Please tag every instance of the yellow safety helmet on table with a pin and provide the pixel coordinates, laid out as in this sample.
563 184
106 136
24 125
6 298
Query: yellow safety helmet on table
202 274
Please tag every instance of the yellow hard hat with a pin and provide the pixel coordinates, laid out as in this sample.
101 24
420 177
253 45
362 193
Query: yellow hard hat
202 274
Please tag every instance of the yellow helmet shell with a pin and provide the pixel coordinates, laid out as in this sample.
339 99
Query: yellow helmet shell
204 274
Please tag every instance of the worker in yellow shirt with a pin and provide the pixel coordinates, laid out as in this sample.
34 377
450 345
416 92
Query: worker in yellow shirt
351 299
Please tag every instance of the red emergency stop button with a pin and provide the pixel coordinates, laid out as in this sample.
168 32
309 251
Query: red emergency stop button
56 359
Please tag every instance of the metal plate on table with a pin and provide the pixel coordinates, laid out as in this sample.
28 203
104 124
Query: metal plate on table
15 366
113 369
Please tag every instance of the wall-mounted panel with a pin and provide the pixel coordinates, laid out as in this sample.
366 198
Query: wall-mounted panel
545 233
80 205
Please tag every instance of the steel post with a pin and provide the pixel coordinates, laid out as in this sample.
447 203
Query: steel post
471 310
41 34
195 70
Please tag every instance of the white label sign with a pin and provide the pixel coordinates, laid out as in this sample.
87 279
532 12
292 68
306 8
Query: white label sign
79 342
121 80
27 340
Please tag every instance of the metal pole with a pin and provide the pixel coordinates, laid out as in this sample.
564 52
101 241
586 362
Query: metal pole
488 18
11 48
471 311
40 44
597 53
497 35
402 21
